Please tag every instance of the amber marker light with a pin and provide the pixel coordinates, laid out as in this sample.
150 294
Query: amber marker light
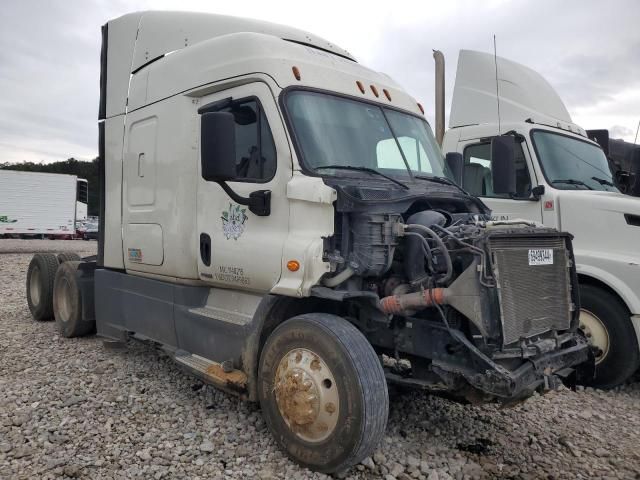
360 86
296 72
387 94
421 109
293 265
374 90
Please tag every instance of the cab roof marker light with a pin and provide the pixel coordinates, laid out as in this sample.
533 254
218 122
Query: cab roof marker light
360 86
374 90
296 72
386 94
421 108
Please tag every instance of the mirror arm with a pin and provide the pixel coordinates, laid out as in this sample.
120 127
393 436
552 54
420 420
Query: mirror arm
259 202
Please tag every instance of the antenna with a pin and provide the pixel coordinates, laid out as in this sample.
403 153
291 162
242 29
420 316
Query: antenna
637 129
495 60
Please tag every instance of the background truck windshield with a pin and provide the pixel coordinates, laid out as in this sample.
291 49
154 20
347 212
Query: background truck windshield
569 163
333 130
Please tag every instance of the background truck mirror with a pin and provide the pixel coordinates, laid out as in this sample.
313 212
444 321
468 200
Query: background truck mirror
217 147
503 167
634 174
455 164
601 137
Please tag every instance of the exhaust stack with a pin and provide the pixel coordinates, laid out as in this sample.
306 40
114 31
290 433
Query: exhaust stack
439 59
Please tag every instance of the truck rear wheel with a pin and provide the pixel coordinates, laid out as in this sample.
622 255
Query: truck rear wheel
606 324
40 278
67 302
323 392
67 256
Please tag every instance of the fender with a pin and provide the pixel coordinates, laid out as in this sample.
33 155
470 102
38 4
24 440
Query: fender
618 287
594 268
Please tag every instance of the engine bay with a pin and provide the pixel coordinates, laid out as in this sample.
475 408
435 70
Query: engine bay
455 295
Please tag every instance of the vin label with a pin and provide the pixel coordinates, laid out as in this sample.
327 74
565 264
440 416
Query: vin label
540 256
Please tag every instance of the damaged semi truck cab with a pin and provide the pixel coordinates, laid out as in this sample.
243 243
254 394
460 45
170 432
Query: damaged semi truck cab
280 219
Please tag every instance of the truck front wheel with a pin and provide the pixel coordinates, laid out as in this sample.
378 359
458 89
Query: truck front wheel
606 324
323 392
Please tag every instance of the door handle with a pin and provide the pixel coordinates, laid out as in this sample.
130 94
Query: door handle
141 165
205 249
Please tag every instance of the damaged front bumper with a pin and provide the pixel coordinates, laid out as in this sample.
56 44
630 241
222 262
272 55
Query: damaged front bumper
458 367
542 371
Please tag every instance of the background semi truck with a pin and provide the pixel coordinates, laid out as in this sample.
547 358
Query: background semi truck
41 204
279 219
559 178
624 160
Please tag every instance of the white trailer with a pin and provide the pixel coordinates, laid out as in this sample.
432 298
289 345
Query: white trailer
34 203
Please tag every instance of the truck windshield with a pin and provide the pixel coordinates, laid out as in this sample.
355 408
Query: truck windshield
356 136
572 164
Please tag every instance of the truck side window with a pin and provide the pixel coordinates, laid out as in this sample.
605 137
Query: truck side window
477 171
255 149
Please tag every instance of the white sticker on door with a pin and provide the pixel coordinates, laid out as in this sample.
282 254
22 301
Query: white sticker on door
540 256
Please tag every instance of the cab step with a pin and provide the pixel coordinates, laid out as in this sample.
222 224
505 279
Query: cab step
213 373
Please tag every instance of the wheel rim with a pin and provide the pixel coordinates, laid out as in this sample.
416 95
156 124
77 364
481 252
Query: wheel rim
34 286
596 333
64 303
307 395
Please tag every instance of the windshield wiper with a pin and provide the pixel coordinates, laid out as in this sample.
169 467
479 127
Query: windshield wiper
603 181
571 181
442 180
364 169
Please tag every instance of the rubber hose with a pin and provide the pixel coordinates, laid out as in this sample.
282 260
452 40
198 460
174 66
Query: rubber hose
339 278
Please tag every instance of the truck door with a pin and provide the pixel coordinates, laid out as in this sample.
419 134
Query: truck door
477 181
239 249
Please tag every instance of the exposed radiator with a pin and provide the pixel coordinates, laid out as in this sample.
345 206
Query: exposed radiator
533 277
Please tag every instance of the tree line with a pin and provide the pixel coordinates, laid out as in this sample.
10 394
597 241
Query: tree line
71 166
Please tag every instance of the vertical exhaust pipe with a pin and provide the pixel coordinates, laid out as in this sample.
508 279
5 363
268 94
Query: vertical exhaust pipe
439 59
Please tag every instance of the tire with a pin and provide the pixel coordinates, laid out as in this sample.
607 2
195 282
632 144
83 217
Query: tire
67 256
40 279
347 371
604 315
67 302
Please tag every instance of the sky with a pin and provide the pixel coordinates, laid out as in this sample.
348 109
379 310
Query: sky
588 50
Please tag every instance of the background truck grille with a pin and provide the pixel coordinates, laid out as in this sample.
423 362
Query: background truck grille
533 298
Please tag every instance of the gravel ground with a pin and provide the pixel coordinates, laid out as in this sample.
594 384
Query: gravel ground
77 409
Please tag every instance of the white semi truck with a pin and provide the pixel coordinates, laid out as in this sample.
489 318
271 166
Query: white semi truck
558 177
279 218
41 204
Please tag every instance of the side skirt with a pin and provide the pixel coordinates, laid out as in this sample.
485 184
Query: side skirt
191 322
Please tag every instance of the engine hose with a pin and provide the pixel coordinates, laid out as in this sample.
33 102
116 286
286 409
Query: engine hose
447 257
485 261
339 278
398 304
426 249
